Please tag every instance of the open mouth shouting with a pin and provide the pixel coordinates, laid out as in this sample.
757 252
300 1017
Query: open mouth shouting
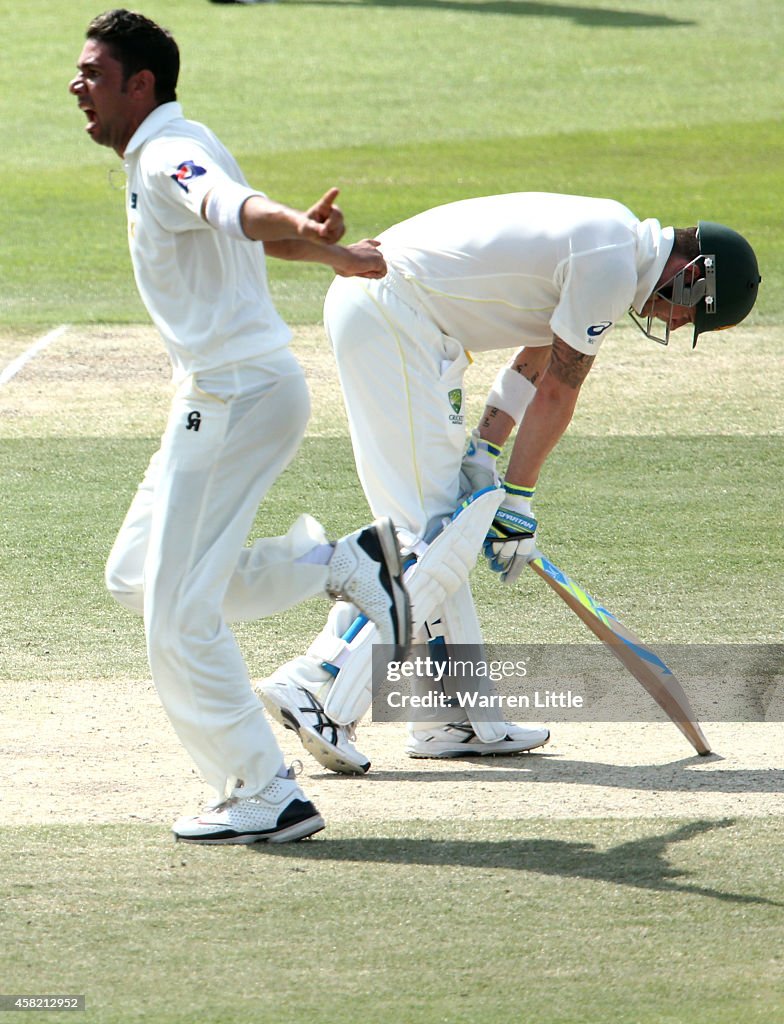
92 119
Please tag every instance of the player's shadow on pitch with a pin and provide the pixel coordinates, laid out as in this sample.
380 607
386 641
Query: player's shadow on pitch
640 863
592 17
683 776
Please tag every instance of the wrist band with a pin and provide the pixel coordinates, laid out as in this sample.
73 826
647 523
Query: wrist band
520 491
478 446
511 392
493 450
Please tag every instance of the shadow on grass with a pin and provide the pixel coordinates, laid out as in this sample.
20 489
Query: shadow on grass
593 17
641 863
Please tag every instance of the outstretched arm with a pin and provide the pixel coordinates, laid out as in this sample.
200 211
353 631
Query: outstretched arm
361 259
310 236
234 208
264 220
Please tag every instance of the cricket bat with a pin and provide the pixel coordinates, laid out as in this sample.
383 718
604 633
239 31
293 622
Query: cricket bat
646 667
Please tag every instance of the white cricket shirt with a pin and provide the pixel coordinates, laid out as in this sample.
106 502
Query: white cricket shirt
206 291
511 270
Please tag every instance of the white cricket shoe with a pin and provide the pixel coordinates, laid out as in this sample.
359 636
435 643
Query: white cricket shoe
297 709
460 740
280 813
366 569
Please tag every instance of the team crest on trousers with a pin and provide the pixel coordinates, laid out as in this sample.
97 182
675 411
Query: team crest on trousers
456 401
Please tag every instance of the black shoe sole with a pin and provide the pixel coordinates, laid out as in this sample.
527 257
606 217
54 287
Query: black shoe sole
379 542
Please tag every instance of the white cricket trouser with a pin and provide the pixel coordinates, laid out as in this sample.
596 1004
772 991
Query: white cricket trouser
402 383
180 558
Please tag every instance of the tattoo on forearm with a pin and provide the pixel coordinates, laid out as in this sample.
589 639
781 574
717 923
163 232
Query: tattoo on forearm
568 365
489 415
531 363
530 375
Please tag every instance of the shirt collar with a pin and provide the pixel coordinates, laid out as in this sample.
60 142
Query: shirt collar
152 124
654 245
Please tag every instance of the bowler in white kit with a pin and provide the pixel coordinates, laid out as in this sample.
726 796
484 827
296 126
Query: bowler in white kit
198 234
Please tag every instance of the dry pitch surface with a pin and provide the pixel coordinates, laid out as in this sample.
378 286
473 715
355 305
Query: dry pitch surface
104 752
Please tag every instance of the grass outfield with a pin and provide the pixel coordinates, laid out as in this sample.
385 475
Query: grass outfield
403 105
633 922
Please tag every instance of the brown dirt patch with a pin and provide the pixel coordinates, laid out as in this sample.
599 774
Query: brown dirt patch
105 752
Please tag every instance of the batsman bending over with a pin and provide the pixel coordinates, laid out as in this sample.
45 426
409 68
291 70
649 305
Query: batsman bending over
547 275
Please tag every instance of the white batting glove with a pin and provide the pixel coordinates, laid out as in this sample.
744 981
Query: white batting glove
511 540
478 468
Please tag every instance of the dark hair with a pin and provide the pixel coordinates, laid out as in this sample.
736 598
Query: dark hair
140 45
686 243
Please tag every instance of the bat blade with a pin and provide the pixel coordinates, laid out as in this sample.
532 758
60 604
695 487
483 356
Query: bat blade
646 666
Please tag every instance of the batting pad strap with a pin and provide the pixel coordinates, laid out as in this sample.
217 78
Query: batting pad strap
330 649
338 655
333 650
350 695
223 207
511 393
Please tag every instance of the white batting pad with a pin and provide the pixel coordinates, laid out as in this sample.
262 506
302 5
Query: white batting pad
459 624
441 571
451 555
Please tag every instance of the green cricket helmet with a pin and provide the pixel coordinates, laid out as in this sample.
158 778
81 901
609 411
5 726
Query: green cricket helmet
721 295
732 278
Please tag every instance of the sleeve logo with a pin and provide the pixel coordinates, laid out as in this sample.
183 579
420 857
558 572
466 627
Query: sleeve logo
597 329
186 172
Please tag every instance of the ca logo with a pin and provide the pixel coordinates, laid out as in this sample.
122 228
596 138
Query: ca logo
194 421
456 401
